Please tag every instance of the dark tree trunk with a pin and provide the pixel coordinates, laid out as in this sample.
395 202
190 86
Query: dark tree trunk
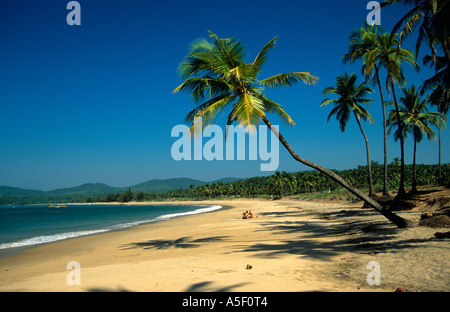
401 189
383 104
414 182
439 168
397 220
371 192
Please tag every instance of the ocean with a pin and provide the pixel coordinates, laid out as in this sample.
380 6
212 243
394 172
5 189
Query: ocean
27 226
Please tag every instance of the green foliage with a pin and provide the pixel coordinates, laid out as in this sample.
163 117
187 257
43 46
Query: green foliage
220 79
350 99
305 183
127 196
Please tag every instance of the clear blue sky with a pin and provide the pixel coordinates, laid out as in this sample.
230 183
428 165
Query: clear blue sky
93 103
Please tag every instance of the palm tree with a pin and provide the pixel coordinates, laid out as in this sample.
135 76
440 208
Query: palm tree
415 116
278 184
435 29
389 55
440 97
362 41
350 100
217 70
433 18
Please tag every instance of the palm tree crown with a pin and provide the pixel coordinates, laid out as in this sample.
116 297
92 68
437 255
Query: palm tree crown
415 116
350 98
387 54
433 18
217 75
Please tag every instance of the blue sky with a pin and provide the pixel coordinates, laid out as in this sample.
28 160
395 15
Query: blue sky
94 103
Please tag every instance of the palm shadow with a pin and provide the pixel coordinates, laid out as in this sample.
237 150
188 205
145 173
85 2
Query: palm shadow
209 287
182 242
351 231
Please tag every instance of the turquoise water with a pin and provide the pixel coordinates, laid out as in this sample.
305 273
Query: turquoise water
28 226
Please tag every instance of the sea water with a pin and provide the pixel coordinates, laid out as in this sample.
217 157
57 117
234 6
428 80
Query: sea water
28 226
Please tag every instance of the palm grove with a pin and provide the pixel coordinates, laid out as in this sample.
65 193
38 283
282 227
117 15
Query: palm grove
220 79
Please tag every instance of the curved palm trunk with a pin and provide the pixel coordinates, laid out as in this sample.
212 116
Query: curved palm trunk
397 220
371 192
383 104
401 189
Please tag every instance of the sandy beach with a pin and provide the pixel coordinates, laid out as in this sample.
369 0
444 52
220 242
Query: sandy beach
290 245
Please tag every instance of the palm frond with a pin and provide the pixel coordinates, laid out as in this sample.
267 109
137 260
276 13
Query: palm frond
273 107
248 110
194 113
261 58
207 112
204 87
288 79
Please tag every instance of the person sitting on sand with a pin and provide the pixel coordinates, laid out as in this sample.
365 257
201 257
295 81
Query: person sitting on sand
247 215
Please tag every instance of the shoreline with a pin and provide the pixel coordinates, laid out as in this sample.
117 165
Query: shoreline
19 249
291 245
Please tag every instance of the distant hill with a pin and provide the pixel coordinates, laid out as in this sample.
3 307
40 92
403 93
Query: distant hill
86 189
17 191
225 180
158 185
155 185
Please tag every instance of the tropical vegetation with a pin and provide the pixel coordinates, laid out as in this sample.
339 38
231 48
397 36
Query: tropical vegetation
302 184
219 78
416 118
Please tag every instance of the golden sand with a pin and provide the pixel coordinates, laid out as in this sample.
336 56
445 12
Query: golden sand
289 245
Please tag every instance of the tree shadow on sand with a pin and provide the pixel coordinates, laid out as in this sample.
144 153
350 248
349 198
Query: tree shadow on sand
351 231
105 289
209 287
182 242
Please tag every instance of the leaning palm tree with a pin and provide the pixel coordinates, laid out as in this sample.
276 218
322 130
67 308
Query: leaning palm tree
362 41
350 99
218 76
417 119
389 55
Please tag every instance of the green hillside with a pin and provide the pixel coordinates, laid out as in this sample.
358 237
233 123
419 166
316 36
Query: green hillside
17 191
86 189
14 195
158 185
